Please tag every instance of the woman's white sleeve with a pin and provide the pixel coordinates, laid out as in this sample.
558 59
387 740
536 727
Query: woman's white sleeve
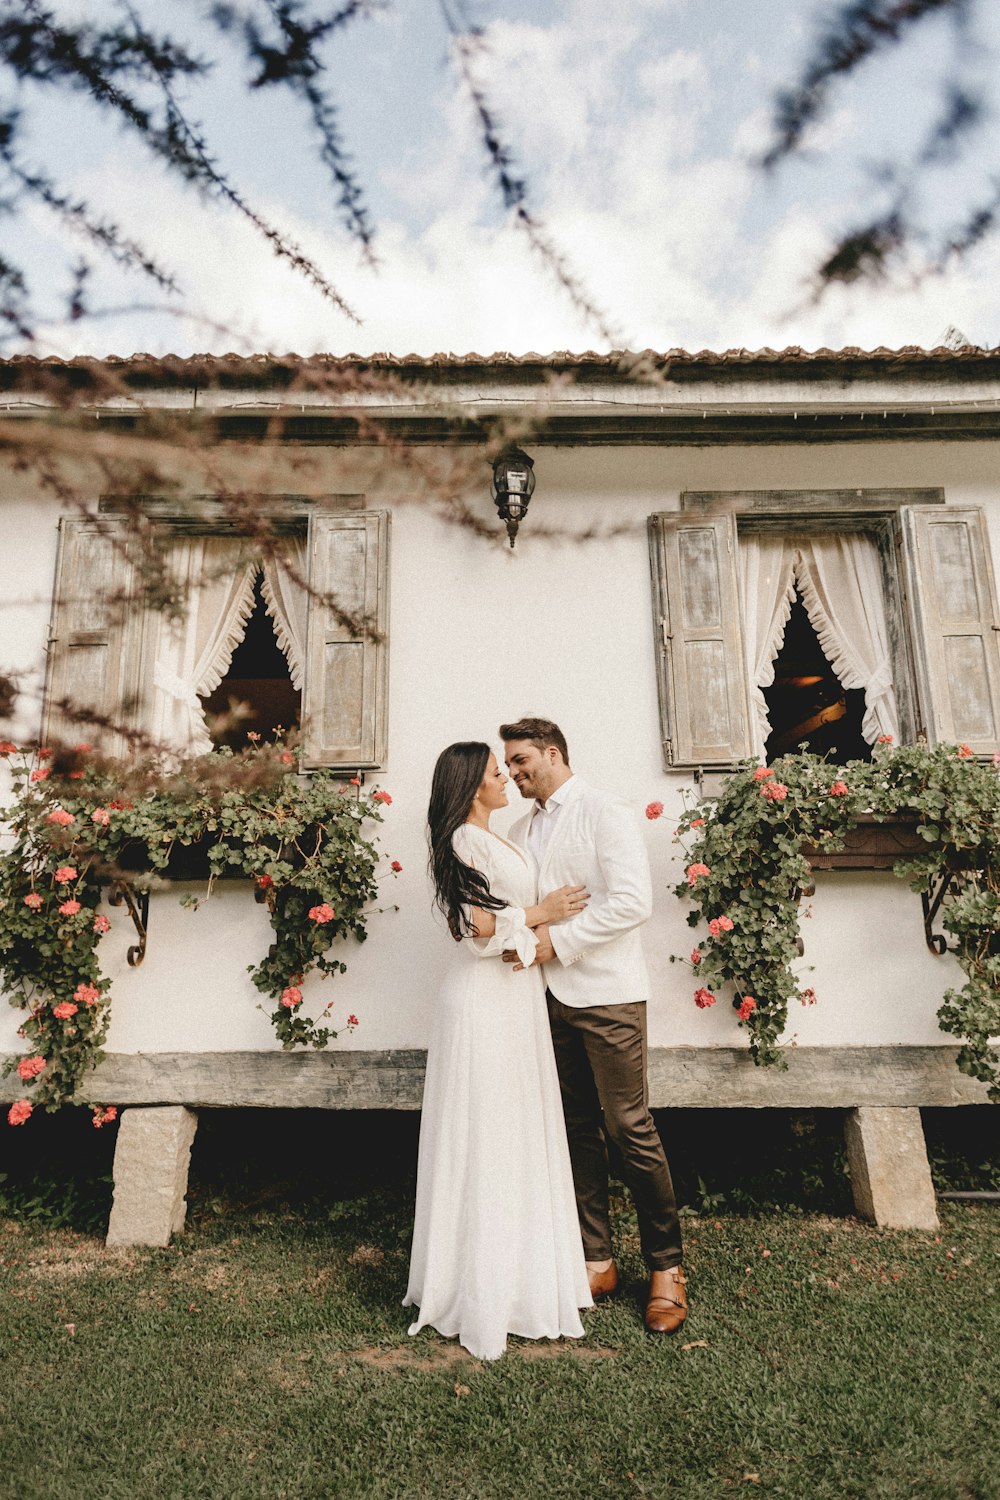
511 932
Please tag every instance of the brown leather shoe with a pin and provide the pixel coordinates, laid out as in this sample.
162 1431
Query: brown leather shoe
667 1306
603 1283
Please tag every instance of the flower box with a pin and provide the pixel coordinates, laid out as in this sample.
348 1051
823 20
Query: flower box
872 844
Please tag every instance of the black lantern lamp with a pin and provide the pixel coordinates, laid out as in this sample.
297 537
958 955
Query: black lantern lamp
512 488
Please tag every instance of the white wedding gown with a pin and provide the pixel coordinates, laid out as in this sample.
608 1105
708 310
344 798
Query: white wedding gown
496 1239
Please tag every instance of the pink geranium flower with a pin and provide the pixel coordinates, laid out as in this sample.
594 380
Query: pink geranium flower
291 997
382 797
61 816
65 874
101 817
41 774
703 999
352 1020
19 1112
101 924
696 956
774 791
30 1067
697 822
322 913
720 924
7 747
808 996
654 810
64 1010
964 752
69 908
33 900
86 994
396 867
885 739
747 1007
695 872
763 773
104 1116
838 789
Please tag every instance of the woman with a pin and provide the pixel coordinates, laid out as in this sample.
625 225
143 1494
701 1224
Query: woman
496 1240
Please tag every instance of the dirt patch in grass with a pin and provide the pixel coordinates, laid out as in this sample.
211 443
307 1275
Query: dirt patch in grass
441 1355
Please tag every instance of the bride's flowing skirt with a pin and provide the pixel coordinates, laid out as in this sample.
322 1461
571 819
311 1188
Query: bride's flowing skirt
496 1242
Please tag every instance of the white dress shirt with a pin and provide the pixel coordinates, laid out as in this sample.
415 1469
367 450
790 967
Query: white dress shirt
544 819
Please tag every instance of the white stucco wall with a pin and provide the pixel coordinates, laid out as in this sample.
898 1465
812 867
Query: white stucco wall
478 635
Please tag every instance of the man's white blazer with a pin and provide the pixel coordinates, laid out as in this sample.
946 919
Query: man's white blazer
596 842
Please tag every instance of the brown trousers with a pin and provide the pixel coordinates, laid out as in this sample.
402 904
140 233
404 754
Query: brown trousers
601 1057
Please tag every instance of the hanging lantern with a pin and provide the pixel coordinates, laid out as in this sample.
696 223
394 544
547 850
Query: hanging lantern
512 488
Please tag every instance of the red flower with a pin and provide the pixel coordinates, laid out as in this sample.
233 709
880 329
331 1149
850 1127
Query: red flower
696 956
30 1067
747 1007
69 908
322 913
695 872
104 1116
286 757
7 747
86 994
101 924
808 997
382 797
885 739
76 775
41 774
838 789
65 874
61 816
396 867
45 753
774 791
703 999
355 781
19 1112
654 810
264 882
353 1021
118 806
697 822
64 1010
763 773
964 752
83 749
34 900
291 997
720 924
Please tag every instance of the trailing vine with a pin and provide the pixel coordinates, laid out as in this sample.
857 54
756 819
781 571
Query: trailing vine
77 823
746 871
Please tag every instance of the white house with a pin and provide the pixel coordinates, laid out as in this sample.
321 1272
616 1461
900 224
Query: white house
683 504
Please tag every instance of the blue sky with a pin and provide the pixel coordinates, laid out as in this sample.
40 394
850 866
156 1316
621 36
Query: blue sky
637 126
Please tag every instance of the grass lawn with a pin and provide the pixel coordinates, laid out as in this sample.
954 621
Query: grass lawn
265 1354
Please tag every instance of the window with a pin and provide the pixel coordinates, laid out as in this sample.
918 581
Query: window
900 594
325 603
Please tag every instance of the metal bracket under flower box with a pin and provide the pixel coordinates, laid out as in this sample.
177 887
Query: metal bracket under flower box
137 903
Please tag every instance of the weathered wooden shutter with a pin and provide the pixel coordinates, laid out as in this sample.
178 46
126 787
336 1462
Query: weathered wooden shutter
94 637
700 662
956 630
345 691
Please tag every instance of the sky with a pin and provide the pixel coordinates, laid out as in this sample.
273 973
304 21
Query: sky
638 126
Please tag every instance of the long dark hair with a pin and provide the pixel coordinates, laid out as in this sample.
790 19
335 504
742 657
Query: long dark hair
457 777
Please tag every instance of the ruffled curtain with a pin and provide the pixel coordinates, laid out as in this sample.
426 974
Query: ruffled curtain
217 575
767 568
288 603
840 579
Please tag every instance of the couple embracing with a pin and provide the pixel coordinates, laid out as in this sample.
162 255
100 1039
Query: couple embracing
537 1058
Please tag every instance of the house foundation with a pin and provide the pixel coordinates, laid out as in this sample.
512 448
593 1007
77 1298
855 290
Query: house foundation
152 1157
890 1173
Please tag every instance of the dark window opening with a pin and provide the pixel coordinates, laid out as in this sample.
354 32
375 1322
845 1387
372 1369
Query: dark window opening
807 703
259 681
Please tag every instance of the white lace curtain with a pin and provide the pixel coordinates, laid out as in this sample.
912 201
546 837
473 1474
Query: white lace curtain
192 655
840 580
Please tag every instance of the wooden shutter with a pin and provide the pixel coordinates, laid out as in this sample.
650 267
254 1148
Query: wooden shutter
345 691
94 637
700 664
954 611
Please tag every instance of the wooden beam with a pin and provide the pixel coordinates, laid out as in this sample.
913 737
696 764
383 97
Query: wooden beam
688 1077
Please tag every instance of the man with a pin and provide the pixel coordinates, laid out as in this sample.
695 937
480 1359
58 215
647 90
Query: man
597 988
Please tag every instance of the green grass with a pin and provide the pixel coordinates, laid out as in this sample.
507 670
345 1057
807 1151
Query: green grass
265 1355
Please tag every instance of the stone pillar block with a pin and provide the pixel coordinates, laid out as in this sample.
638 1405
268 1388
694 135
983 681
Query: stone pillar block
890 1174
152 1156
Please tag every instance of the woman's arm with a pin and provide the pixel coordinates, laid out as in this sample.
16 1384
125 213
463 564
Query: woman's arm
567 901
